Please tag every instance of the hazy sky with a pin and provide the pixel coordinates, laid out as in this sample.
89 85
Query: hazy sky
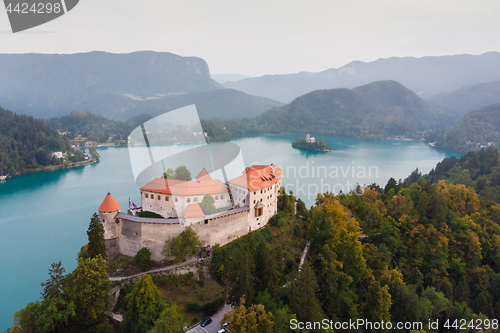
268 36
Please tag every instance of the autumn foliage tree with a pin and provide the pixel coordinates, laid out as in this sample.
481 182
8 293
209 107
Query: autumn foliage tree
247 320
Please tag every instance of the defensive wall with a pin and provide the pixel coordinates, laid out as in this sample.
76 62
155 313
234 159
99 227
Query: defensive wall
133 233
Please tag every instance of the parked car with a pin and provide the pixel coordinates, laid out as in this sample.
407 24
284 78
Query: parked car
205 322
226 324
222 330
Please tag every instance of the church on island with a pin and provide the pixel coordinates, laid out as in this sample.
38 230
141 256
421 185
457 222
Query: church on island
243 204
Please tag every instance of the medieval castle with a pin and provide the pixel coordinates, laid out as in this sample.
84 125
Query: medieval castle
244 203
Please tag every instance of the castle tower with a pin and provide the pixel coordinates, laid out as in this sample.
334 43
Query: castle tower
107 213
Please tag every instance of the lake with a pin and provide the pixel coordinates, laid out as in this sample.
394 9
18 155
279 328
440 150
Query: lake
45 216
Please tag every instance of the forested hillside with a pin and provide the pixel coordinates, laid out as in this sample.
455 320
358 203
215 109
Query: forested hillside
479 170
27 143
412 252
375 111
427 251
93 127
477 128
458 102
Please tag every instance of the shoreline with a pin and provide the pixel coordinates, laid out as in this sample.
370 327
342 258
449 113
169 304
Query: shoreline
51 168
320 150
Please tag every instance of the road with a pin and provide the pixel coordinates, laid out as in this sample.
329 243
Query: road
214 326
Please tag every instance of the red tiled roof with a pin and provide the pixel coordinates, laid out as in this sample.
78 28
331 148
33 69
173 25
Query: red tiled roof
203 175
109 204
182 187
257 177
193 210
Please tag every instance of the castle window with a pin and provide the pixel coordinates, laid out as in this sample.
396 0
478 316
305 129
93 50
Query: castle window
260 191
159 197
146 195
188 200
260 199
196 199
254 193
166 198
176 199
254 201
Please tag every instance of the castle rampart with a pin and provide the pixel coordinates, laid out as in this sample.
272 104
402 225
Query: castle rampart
255 195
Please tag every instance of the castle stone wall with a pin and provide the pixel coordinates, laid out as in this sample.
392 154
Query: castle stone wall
112 248
134 235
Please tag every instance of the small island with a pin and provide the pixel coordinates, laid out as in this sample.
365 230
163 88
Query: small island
310 143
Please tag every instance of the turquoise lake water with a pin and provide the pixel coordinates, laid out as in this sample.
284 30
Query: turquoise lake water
45 216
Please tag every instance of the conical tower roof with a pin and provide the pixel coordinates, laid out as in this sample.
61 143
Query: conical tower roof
203 175
109 204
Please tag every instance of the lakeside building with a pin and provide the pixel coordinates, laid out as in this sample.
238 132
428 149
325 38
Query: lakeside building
244 203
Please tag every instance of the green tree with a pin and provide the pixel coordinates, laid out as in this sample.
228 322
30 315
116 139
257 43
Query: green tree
88 289
170 321
143 258
95 233
378 303
187 243
253 319
170 174
144 307
50 315
303 300
182 173
242 271
207 205
53 287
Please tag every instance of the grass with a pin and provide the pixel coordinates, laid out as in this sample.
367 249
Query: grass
181 289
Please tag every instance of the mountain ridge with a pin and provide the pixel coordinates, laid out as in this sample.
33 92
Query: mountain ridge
424 75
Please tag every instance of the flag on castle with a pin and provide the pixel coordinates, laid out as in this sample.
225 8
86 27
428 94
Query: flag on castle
130 203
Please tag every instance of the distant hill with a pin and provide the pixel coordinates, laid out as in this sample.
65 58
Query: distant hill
458 102
374 111
476 127
224 104
222 78
425 76
47 85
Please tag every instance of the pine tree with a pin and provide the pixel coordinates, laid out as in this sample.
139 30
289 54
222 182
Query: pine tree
303 300
95 233
53 287
242 273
